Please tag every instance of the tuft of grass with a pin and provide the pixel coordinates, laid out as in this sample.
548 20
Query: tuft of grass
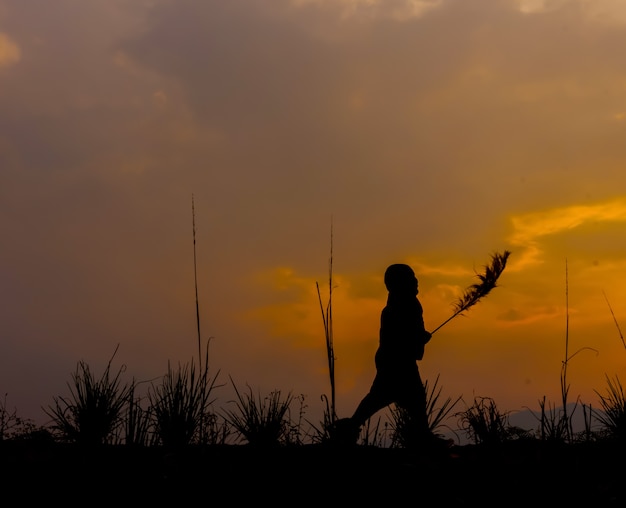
438 413
374 435
485 424
137 423
12 426
180 406
555 425
402 428
92 414
261 421
296 434
322 433
613 414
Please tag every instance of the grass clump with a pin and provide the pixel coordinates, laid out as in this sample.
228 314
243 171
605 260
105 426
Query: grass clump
263 421
137 423
555 424
485 424
402 428
181 406
12 426
92 414
613 414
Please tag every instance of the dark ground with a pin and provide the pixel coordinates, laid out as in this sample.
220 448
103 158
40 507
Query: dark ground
521 473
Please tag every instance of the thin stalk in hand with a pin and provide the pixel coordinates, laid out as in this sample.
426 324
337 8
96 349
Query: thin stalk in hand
474 293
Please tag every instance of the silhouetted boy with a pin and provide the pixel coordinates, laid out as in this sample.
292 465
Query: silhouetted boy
401 344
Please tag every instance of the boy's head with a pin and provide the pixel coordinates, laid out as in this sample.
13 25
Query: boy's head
400 278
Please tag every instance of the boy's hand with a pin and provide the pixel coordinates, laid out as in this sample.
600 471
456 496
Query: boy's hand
427 336
419 354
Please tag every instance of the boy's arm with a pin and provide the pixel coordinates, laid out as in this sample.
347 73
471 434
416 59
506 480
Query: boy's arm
422 341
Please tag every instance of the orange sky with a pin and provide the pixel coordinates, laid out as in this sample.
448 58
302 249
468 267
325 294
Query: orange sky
432 133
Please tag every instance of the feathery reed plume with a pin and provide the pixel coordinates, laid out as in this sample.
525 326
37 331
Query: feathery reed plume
475 292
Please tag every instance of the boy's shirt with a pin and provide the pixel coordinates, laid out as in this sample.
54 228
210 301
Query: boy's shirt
402 333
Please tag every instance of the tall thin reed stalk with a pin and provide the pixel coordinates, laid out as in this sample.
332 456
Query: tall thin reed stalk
564 384
327 318
619 330
558 425
195 278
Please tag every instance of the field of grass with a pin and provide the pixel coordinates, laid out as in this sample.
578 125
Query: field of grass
513 474
106 445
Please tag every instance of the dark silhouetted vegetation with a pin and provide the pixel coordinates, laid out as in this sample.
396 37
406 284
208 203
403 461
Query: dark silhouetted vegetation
181 406
92 414
263 421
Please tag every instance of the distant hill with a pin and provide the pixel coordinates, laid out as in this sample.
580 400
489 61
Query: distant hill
531 421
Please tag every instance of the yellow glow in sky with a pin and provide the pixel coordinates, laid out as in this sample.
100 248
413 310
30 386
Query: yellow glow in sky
9 51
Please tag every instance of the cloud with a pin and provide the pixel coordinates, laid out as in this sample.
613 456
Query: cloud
296 312
10 52
538 6
529 229
399 10
608 11
516 317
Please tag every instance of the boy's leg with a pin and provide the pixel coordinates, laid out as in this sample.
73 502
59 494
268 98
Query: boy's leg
346 430
412 399
379 397
419 434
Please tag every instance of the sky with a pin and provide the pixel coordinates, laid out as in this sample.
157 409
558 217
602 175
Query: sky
299 143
